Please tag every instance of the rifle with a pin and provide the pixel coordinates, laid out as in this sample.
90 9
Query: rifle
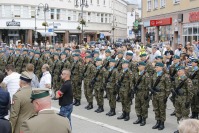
53 71
94 79
109 75
173 74
16 61
193 75
177 91
118 63
22 64
153 89
85 71
8 60
122 78
106 65
36 65
135 89
73 68
62 66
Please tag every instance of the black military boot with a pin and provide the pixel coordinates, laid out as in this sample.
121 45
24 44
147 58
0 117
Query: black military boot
97 109
193 115
122 116
156 125
176 131
109 112
127 117
112 112
90 106
105 96
143 122
77 103
161 127
101 109
86 106
138 120
196 115
118 98
173 114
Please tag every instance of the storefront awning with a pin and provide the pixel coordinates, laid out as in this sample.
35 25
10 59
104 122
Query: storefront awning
106 33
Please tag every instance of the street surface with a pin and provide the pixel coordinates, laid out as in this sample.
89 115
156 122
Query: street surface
88 121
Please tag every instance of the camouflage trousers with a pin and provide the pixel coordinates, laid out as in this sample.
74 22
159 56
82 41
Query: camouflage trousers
159 107
88 92
195 104
141 105
76 85
181 110
56 84
111 94
99 95
125 99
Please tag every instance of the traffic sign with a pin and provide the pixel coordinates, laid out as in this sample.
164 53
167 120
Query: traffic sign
50 30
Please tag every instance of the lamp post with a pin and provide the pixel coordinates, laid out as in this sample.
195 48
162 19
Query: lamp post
83 3
36 36
114 25
46 8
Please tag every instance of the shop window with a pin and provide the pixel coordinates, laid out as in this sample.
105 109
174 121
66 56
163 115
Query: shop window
58 14
52 14
190 31
185 31
149 5
17 11
195 30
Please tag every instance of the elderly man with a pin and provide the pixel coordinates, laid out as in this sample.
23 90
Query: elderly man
45 81
22 107
51 121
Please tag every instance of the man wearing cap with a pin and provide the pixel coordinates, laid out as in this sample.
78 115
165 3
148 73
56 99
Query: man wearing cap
194 76
98 82
173 75
149 68
76 78
119 61
10 59
96 55
55 71
160 90
51 122
21 108
47 59
25 60
183 94
124 85
18 60
69 56
132 65
111 80
2 61
141 81
77 51
108 57
38 63
88 74
31 56
65 64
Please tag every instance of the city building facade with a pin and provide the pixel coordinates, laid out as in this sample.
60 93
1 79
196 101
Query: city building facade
175 21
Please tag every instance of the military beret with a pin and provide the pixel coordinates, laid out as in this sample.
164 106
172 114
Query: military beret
55 53
88 51
125 62
67 49
129 53
120 52
17 49
25 76
58 49
37 52
25 50
142 55
31 51
64 53
159 64
107 51
176 57
194 60
38 93
89 56
112 60
47 52
51 47
75 54
180 68
96 52
141 63
98 59
77 50
158 57
11 48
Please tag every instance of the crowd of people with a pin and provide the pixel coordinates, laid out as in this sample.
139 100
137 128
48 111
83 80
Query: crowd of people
126 73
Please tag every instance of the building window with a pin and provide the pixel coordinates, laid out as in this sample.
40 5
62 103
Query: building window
98 17
52 14
32 12
106 19
149 5
74 16
176 1
58 14
0 11
97 2
17 11
162 3
91 2
104 2
102 18
25 12
155 4
69 18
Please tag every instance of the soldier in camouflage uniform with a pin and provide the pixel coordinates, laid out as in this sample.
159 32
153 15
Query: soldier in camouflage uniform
55 71
69 56
76 78
141 86
2 61
132 64
47 59
96 55
194 76
183 92
31 56
25 60
77 51
111 80
173 74
18 60
124 85
99 81
161 89
88 74
38 63
149 67
10 59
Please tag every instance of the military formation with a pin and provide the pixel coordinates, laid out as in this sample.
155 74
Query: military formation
118 79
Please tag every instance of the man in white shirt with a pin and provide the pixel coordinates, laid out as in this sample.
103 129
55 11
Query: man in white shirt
179 50
155 52
11 80
46 78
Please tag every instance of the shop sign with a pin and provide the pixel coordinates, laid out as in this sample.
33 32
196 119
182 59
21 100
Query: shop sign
194 16
13 23
161 22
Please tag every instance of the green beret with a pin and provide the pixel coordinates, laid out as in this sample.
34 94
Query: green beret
158 57
75 54
159 64
25 76
56 53
11 48
77 50
31 51
142 55
17 49
64 53
88 51
180 68
194 60
112 60
67 49
37 52
58 49
25 50
96 52
129 53
176 57
108 51
141 63
89 56
38 93
120 52
47 52
98 59
125 62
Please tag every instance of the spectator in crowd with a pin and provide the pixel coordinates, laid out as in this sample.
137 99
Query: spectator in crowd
124 50
65 95
189 126
178 51
136 55
102 53
45 81
155 52
5 126
168 55
83 53
34 81
11 81
51 122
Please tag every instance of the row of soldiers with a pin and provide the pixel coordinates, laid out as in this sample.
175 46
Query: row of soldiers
123 77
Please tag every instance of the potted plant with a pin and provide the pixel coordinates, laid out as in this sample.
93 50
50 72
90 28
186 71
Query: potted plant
44 24
78 28
83 22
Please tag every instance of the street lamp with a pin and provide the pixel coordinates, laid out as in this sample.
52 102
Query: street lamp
83 3
36 36
113 28
46 8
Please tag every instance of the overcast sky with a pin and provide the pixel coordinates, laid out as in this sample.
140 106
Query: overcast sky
135 2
